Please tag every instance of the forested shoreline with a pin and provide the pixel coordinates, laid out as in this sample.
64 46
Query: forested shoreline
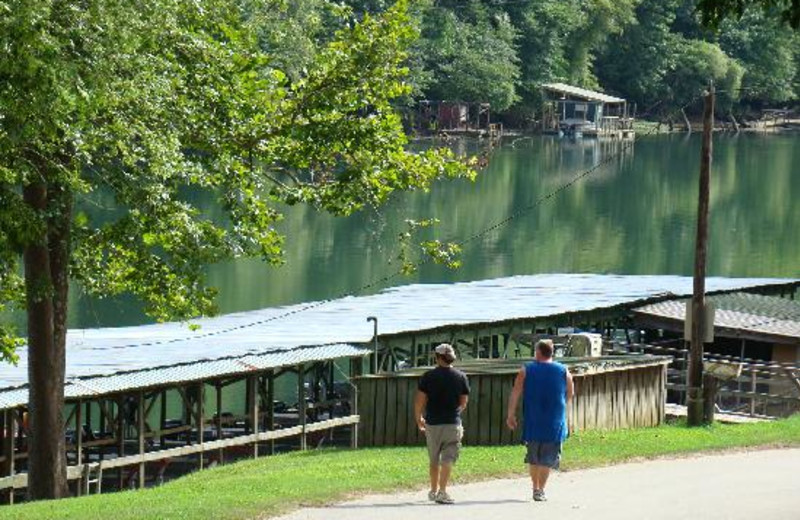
657 54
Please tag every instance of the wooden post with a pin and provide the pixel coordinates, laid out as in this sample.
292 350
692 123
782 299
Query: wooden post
695 395
252 388
201 419
354 407
88 418
301 404
9 433
710 384
78 441
739 379
120 427
163 416
103 419
84 481
140 432
271 407
753 391
218 389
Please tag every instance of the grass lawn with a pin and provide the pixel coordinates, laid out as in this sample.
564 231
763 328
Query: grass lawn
272 485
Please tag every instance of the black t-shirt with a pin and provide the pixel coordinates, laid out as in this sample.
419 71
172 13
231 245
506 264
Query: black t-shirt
444 387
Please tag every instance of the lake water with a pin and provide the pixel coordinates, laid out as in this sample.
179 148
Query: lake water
635 215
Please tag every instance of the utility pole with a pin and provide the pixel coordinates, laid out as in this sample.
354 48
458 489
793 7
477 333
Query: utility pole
694 400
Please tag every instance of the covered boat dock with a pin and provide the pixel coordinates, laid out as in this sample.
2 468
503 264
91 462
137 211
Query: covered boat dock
577 111
140 400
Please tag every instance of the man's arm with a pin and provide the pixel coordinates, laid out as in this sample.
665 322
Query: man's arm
513 399
420 401
570 386
463 399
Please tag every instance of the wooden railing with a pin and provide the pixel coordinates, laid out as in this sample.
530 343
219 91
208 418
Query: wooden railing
86 471
762 388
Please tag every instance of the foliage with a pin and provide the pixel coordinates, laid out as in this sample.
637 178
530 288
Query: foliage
715 11
766 49
445 253
635 48
169 95
638 61
663 70
697 63
471 57
148 100
269 486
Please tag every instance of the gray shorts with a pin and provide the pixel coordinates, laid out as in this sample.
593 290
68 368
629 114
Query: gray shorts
543 454
444 442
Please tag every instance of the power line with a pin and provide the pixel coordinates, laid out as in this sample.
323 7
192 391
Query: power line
427 260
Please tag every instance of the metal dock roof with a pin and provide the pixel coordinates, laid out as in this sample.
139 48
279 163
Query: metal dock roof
591 95
423 307
187 372
758 317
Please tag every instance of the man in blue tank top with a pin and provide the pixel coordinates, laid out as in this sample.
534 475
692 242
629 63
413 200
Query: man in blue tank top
545 387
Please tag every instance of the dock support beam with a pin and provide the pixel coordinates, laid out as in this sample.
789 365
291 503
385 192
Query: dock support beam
218 391
201 418
270 404
301 404
140 431
120 427
252 389
9 433
79 441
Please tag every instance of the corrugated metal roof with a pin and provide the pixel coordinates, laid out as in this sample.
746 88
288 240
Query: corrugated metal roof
563 88
577 365
142 379
754 314
409 308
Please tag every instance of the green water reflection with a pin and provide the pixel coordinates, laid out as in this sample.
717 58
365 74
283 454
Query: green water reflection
636 215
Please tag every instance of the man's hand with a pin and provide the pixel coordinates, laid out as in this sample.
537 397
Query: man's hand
511 422
421 423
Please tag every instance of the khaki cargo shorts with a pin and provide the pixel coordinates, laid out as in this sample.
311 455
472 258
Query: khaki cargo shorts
444 442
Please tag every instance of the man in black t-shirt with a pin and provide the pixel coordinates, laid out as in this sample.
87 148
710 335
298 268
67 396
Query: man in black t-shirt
441 397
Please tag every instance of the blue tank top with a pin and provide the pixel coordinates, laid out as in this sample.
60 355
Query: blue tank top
545 402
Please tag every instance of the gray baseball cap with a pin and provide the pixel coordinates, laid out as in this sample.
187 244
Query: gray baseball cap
446 350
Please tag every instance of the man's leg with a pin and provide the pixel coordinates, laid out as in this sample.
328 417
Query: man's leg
534 472
434 473
542 473
432 439
444 475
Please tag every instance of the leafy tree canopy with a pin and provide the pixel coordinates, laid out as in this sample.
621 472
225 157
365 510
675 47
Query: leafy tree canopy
146 99
714 12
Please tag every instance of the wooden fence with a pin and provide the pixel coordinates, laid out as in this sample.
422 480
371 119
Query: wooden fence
605 398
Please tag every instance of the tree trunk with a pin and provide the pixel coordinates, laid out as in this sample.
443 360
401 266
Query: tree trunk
735 122
686 121
47 477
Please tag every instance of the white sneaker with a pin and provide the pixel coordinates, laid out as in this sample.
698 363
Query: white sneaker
432 496
443 498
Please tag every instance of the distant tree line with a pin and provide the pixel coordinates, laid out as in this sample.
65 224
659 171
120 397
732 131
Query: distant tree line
659 54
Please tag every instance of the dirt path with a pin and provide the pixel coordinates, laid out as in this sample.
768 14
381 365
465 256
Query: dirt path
747 485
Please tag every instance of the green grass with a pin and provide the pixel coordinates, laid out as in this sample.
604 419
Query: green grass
272 485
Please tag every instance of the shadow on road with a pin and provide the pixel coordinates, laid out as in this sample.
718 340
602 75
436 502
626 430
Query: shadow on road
460 503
